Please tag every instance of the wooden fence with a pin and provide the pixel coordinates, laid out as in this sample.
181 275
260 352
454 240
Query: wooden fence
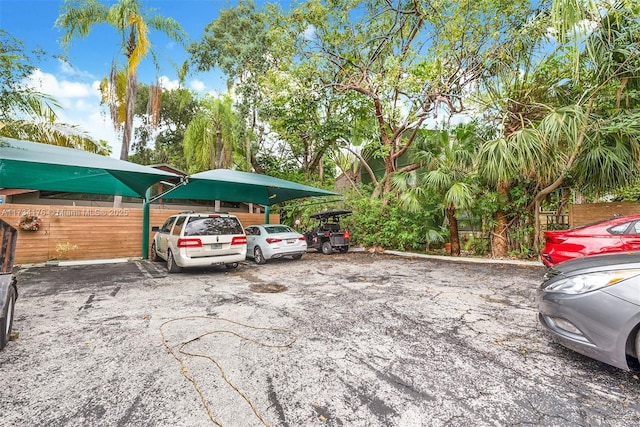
81 232
588 213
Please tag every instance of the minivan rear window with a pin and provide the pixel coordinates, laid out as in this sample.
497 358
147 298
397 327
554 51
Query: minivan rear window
212 226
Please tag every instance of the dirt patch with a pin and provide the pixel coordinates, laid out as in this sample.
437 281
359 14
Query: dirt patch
267 288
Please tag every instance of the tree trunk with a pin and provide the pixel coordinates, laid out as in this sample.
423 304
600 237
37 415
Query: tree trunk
218 150
499 244
454 233
385 184
130 103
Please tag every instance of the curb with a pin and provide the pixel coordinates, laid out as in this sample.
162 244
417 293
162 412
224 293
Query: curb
458 259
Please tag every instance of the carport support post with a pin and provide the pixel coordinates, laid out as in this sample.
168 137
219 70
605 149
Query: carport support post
145 223
266 214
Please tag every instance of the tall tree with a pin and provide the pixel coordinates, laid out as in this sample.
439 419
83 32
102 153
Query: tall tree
446 168
239 43
410 62
162 142
209 139
569 121
77 19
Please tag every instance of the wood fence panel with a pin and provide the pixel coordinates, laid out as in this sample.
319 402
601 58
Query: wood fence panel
588 213
82 233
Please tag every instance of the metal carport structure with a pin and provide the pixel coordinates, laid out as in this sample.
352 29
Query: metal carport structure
235 186
26 164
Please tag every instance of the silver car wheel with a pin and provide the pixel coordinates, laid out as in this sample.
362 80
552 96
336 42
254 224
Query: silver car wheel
258 257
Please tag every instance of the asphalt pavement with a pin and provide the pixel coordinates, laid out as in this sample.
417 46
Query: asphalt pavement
354 339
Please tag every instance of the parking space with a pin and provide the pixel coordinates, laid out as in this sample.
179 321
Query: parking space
350 339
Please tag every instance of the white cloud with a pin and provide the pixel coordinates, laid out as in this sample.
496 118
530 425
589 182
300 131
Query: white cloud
60 89
80 106
67 68
168 84
197 85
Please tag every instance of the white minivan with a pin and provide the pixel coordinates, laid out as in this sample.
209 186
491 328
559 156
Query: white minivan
199 240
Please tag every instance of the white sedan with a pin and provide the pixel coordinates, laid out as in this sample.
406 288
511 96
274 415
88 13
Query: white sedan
270 241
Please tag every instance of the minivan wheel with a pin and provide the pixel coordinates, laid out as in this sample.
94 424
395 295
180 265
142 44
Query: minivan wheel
171 263
154 253
258 257
326 248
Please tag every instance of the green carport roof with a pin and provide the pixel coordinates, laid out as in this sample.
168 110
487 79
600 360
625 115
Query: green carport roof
25 164
235 186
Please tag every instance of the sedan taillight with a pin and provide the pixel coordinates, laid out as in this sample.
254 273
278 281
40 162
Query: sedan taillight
302 238
271 240
550 238
239 240
189 243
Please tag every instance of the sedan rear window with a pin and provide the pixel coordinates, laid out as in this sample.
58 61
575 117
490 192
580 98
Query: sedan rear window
212 226
619 229
278 229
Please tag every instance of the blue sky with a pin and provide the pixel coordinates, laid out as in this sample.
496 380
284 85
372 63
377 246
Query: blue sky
74 84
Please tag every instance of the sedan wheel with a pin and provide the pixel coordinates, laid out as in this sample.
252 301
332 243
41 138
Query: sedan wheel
171 264
258 257
326 248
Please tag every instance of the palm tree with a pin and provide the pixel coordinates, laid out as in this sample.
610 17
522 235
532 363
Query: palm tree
26 113
446 168
209 140
562 117
40 123
78 17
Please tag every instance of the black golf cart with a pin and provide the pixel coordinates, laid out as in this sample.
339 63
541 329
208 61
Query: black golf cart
328 234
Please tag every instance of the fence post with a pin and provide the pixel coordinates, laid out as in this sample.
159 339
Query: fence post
145 223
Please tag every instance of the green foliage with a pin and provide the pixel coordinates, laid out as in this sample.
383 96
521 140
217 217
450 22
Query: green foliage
164 143
28 114
210 138
16 65
393 227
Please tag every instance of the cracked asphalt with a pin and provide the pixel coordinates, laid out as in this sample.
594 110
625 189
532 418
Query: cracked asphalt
352 339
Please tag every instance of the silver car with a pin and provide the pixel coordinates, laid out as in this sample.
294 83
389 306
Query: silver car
270 241
592 305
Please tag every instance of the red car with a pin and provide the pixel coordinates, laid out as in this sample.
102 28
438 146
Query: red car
615 235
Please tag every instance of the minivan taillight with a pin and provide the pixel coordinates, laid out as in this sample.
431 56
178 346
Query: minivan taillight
189 243
239 240
347 235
